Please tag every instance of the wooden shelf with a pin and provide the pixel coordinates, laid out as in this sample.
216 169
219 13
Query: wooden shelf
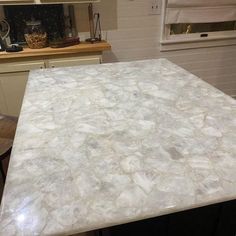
80 48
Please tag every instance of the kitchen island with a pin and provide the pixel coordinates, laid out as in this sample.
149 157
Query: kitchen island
103 145
15 67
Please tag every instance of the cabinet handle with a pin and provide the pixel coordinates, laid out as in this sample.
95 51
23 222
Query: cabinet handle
53 66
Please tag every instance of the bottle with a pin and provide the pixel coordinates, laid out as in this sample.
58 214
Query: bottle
2 45
35 35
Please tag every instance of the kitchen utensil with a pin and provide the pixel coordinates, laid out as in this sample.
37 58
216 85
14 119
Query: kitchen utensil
4 33
2 45
35 35
70 24
98 29
93 32
14 48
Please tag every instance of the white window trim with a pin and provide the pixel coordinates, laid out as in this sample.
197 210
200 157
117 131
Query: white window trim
177 42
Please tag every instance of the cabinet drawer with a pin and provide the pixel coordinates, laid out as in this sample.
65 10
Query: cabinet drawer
21 66
73 62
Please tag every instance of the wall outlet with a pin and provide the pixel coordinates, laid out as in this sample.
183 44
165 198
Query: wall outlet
155 7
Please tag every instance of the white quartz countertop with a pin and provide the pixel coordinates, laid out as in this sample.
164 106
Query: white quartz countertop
108 144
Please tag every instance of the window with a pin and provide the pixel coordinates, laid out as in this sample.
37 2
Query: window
198 21
190 28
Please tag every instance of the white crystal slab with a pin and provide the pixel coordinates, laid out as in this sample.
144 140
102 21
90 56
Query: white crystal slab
108 144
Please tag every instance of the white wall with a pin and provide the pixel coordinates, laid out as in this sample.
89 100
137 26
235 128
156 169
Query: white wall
216 65
137 36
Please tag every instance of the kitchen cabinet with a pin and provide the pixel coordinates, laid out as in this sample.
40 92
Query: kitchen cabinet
25 2
14 75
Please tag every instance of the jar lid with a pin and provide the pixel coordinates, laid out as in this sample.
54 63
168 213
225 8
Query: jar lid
33 23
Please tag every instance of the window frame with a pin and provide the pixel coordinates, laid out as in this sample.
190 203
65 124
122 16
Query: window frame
193 40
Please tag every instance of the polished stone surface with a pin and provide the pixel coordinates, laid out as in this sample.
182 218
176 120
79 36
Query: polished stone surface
102 145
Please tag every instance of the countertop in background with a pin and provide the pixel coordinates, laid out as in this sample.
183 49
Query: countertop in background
79 48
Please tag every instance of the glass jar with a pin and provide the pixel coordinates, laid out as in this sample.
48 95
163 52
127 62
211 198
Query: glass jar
35 35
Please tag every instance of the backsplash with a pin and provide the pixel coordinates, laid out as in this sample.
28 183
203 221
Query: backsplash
51 16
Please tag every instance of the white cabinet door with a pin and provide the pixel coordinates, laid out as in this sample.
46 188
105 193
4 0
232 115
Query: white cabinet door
21 66
73 62
13 79
13 86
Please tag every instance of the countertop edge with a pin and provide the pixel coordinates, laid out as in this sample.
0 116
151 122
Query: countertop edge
80 48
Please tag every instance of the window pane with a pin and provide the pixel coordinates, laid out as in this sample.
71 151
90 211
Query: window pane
202 27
